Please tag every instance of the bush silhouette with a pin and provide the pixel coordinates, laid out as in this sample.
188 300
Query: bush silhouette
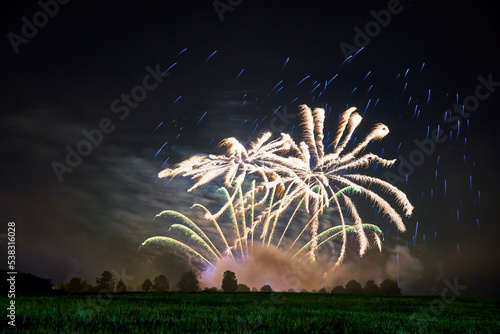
74 285
371 288
353 287
86 287
389 287
338 289
243 288
266 288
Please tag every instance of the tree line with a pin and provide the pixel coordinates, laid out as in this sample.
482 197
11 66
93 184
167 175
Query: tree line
189 283
107 282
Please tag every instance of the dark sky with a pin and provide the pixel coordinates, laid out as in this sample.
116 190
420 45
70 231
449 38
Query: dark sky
66 76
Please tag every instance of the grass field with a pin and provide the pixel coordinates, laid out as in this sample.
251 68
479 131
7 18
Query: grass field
251 313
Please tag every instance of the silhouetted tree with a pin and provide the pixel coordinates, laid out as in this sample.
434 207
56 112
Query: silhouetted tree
161 283
105 282
266 288
74 285
254 289
291 290
304 291
339 289
353 287
188 282
243 288
229 281
389 287
322 290
120 286
86 287
371 288
146 285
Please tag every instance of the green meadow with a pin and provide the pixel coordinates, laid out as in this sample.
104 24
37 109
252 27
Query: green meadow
255 312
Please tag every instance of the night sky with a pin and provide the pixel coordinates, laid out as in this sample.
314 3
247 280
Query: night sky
216 75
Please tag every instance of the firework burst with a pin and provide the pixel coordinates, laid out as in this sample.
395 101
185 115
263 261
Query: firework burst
285 172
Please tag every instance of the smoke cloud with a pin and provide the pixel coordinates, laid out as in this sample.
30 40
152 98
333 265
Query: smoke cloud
275 268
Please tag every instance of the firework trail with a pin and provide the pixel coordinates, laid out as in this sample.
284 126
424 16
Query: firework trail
190 239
